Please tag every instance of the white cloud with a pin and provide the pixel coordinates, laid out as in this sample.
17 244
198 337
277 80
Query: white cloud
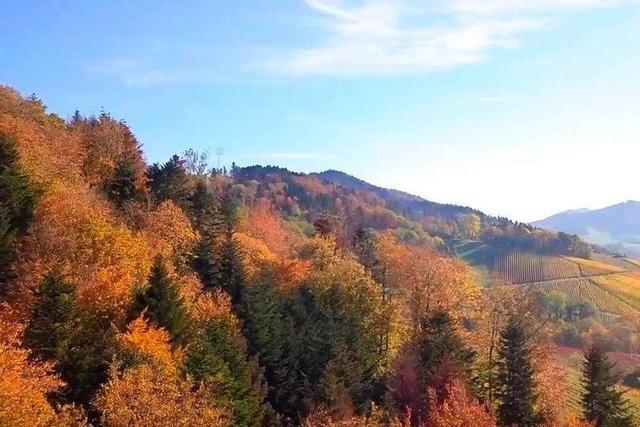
391 36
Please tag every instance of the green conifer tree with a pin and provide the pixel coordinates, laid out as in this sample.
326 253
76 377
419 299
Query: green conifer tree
170 181
217 357
602 403
515 388
17 201
79 346
123 187
439 345
163 304
53 319
272 340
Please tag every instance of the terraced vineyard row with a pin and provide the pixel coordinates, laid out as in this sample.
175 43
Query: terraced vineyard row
583 289
624 285
519 268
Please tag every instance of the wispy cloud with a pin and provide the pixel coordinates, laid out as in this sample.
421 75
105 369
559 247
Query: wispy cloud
161 63
287 155
392 36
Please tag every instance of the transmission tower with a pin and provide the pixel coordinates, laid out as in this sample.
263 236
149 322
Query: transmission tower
219 154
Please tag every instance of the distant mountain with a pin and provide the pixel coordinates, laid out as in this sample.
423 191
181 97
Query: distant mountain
616 227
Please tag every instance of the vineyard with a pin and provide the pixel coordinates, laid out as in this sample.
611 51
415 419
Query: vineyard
584 289
520 268
628 264
624 285
589 267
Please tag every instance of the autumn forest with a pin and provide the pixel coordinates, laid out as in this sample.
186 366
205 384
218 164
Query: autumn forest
181 294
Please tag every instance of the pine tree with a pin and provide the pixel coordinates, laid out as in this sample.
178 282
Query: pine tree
163 304
17 202
514 380
601 402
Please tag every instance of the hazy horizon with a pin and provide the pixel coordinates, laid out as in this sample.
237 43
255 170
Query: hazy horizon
519 109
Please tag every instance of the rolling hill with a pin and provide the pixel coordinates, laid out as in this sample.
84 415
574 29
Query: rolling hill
615 227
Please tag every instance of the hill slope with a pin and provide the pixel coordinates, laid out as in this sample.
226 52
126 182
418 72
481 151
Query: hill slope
616 227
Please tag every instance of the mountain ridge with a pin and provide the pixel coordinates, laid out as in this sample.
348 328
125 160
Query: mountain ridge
616 227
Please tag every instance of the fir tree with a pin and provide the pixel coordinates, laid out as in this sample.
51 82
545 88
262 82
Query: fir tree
271 339
204 264
216 356
58 331
163 304
122 187
514 380
204 210
17 201
170 181
442 352
601 402
53 319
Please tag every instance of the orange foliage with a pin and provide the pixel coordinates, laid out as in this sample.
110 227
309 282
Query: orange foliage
169 232
106 142
459 409
144 397
264 224
377 418
74 231
148 344
290 273
47 150
25 385
426 280
551 382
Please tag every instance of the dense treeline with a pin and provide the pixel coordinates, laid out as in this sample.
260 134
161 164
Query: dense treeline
172 294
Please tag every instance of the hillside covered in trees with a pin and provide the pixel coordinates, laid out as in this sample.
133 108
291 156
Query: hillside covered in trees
174 294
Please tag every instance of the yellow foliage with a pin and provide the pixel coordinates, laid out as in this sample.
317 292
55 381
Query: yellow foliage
169 232
255 253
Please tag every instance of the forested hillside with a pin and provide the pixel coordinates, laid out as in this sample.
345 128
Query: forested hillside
174 294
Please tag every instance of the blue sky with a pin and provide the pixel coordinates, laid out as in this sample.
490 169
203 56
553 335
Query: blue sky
517 107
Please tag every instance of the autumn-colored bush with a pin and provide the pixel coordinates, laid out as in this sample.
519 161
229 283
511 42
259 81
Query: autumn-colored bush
459 409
